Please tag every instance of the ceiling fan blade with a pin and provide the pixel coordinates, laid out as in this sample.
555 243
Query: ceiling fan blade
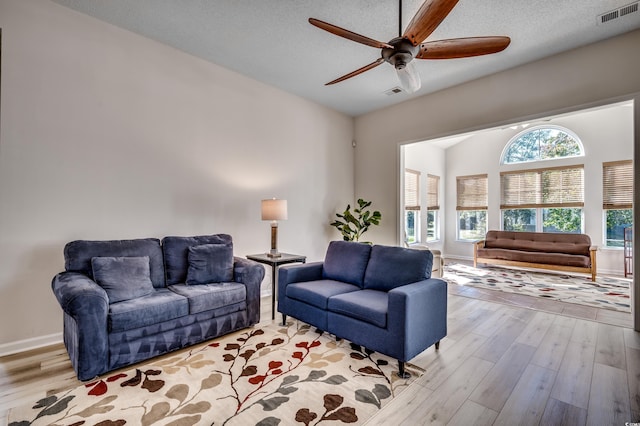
427 19
333 29
356 72
462 47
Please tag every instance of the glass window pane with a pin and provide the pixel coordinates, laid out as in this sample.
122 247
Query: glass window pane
616 221
562 220
542 143
410 225
519 220
432 225
472 224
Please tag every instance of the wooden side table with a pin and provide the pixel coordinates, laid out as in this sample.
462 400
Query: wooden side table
274 262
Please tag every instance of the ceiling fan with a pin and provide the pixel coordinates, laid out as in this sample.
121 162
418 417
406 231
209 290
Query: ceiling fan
410 45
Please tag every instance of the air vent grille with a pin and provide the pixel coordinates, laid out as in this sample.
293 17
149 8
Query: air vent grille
617 13
393 91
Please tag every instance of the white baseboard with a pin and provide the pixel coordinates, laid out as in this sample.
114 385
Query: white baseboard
28 344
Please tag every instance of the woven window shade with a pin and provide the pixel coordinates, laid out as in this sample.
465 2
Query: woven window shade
433 200
550 187
471 192
617 185
411 190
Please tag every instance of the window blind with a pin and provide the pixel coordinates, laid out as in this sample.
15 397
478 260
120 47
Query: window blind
549 187
617 185
411 190
471 192
433 201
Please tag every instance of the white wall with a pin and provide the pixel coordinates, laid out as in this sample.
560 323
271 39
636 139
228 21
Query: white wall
606 134
109 135
428 159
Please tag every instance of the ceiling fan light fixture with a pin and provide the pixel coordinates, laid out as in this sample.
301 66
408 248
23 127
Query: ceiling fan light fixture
408 76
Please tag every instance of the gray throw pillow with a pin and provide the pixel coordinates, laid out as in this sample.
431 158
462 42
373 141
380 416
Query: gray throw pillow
210 263
123 278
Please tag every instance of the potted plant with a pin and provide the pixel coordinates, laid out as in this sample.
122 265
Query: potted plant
353 225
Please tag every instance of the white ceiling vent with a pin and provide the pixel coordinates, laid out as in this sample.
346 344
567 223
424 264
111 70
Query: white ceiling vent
393 91
618 13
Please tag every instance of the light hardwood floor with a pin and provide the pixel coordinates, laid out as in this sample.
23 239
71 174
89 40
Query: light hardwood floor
503 362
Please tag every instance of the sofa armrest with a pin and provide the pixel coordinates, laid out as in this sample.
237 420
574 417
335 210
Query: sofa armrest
477 245
250 274
418 313
85 305
296 273
288 274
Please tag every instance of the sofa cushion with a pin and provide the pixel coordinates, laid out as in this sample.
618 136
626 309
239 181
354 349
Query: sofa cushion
210 263
346 261
161 305
545 242
391 267
211 296
123 278
78 255
176 253
366 305
317 293
561 259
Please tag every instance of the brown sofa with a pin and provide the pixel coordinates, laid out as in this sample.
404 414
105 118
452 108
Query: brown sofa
554 251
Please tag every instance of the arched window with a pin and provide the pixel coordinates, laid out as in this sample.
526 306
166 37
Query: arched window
542 143
543 198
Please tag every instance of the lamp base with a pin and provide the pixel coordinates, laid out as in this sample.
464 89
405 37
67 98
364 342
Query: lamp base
274 254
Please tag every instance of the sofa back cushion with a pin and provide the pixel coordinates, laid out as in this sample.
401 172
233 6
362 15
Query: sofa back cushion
176 253
210 263
78 255
123 278
547 242
346 261
391 267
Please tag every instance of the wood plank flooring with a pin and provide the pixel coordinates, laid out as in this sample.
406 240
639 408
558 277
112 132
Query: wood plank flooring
503 362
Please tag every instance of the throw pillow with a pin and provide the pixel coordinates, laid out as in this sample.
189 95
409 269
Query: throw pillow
123 278
210 263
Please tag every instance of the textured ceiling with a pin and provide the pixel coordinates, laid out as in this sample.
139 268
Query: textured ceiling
272 42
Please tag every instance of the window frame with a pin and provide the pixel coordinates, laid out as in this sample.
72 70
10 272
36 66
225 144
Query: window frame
433 206
617 194
515 138
412 203
474 198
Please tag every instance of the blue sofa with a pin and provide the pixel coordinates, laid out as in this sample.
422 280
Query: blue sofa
129 300
377 296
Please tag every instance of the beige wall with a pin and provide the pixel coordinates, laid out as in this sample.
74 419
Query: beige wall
109 135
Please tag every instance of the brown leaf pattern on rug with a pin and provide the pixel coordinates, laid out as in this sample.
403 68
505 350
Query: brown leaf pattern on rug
264 376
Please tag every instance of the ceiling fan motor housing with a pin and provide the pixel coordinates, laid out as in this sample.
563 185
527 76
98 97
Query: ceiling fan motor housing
402 53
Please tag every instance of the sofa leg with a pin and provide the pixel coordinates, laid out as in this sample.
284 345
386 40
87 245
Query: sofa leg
284 320
401 372
437 345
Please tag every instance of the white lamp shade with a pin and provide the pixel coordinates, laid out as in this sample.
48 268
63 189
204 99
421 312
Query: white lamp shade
274 209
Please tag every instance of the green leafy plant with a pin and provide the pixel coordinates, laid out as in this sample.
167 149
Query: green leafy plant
353 225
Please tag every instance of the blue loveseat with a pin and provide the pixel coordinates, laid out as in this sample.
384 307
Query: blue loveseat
377 296
128 300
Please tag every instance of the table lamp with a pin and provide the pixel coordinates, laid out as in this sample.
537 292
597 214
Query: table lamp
274 210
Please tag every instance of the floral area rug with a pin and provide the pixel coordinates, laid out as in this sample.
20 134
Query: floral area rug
272 375
607 293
